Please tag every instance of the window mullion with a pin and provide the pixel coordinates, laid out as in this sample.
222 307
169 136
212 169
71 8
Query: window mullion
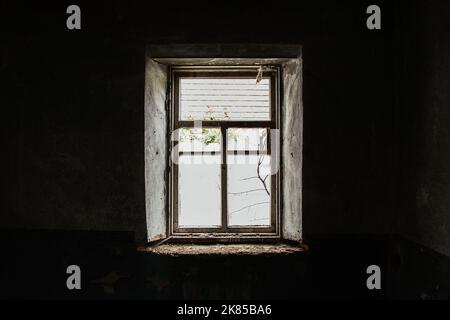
224 178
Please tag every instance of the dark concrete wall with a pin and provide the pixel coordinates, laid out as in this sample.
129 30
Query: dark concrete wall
329 271
73 115
376 146
425 99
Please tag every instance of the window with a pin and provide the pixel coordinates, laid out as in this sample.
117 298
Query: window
224 151
219 136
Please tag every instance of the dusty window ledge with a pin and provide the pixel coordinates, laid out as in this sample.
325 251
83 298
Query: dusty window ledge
223 249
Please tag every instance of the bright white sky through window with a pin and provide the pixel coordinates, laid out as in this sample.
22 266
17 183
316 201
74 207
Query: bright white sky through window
248 181
224 99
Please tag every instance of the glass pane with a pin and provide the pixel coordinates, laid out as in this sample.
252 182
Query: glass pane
224 99
199 191
199 177
199 139
242 139
249 190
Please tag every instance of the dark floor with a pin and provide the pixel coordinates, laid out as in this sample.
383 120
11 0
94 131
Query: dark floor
34 265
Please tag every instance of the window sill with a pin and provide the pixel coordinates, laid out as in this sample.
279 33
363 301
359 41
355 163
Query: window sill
223 249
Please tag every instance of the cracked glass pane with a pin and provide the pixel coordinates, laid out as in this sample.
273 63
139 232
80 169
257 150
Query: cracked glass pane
249 181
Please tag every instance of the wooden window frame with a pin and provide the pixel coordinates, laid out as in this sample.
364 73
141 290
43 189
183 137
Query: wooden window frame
270 232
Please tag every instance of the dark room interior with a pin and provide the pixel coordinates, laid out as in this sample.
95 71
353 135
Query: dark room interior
375 151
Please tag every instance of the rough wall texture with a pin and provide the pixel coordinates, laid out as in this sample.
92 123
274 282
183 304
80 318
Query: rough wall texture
73 136
425 214
292 126
155 148
72 128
